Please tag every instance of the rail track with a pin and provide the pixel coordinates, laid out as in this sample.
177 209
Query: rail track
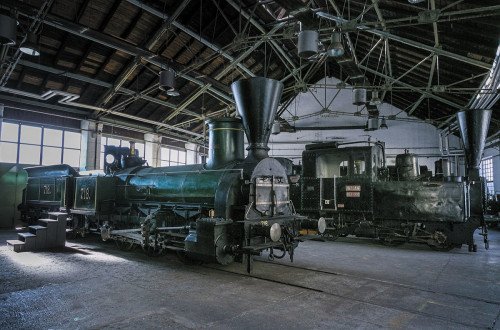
371 291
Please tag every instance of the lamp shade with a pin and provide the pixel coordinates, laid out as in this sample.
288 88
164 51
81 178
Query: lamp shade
308 43
383 124
375 100
8 27
371 124
167 82
359 96
30 45
336 49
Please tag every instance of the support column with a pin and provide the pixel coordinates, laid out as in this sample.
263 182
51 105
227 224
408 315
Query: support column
1 118
91 145
152 152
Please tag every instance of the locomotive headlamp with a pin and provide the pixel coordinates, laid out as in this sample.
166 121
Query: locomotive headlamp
321 225
275 232
109 159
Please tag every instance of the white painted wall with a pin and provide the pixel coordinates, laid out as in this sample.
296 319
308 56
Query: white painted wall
404 133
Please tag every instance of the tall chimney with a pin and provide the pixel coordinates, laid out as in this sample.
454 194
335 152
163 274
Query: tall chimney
257 100
474 126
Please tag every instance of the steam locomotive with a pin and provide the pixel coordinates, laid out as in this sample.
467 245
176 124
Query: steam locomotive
356 193
226 210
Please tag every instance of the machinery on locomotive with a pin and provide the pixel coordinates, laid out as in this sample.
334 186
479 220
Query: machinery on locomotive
229 209
353 189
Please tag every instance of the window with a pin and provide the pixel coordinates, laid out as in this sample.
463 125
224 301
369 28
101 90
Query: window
71 150
109 141
487 173
172 157
8 144
359 167
37 145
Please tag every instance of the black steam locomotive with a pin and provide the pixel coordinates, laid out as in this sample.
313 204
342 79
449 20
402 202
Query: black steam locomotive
226 210
357 194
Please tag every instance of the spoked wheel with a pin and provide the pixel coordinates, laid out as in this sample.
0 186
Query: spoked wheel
389 238
125 246
152 251
440 242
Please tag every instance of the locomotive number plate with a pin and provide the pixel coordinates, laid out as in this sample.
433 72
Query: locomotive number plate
352 194
353 188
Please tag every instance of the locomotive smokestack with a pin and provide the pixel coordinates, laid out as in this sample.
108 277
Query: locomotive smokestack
257 100
473 126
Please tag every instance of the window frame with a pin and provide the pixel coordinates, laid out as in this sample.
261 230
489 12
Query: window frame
41 145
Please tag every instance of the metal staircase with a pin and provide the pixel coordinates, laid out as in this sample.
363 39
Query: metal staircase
49 233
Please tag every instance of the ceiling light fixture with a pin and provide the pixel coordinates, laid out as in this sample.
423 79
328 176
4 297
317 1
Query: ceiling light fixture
375 100
337 49
8 27
383 124
276 129
308 43
372 124
30 46
167 82
359 96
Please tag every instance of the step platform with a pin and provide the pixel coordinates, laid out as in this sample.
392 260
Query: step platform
29 240
41 236
15 245
49 233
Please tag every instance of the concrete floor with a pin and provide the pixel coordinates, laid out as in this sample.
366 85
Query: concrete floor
361 285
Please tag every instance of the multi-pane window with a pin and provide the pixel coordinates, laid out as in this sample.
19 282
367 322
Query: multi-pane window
109 141
36 145
172 157
487 173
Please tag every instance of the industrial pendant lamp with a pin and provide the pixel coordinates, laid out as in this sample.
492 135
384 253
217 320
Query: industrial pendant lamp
375 100
30 46
8 27
337 49
359 96
383 124
167 82
308 43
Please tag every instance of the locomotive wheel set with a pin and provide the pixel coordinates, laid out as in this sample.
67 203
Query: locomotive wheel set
226 210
